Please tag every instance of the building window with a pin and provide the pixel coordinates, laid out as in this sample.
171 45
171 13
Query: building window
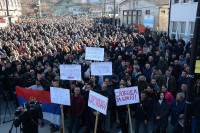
134 20
176 1
182 27
148 12
185 1
139 17
195 0
125 17
192 25
174 26
174 29
129 17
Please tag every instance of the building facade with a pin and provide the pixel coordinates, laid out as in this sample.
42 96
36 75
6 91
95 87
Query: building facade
135 12
182 20
14 8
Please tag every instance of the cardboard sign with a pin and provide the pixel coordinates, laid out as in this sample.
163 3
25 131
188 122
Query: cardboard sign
101 68
60 96
127 96
93 53
70 72
98 102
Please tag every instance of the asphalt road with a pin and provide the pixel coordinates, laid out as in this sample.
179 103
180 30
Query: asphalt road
5 127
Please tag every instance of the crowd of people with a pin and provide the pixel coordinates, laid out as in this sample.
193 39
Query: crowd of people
32 50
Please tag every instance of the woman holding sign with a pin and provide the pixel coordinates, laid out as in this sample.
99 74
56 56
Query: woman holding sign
161 110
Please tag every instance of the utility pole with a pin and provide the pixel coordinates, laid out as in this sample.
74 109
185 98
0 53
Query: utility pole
114 14
170 6
39 3
9 20
191 72
104 7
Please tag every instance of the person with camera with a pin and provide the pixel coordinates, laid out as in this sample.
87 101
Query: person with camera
28 115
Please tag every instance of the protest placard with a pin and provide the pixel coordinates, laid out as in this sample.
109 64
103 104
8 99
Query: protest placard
101 68
60 96
93 53
98 102
127 96
70 72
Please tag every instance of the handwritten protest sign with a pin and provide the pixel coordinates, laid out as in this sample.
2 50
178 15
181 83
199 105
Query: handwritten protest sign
60 96
93 53
101 68
70 72
98 102
127 96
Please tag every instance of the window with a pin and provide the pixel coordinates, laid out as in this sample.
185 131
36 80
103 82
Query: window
139 17
182 27
134 20
195 0
148 12
174 26
176 1
129 17
192 25
125 17
185 1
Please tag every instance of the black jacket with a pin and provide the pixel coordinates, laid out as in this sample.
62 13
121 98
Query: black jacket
196 108
177 128
29 121
142 110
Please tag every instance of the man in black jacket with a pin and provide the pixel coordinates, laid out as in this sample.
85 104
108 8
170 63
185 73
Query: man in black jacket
178 128
28 118
196 115
142 113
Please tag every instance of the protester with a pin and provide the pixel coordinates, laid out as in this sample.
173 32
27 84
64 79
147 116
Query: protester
142 113
160 111
178 128
76 110
177 107
195 115
32 50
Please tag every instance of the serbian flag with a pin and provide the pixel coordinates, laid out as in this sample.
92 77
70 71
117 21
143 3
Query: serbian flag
51 112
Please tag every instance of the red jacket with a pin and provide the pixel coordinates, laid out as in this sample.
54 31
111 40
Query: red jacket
77 105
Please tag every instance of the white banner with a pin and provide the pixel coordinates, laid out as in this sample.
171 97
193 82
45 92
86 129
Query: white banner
101 68
70 72
92 53
98 102
127 96
60 96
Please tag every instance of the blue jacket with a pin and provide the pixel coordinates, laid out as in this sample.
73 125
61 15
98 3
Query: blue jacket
181 81
147 74
176 110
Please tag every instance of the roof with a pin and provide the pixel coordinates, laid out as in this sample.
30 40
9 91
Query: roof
157 2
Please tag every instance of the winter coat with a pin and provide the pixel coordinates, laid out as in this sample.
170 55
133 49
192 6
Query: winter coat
162 111
141 85
143 110
147 74
171 83
77 105
169 97
176 110
162 65
196 108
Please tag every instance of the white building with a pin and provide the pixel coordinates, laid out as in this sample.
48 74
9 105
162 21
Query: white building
182 20
135 12
14 7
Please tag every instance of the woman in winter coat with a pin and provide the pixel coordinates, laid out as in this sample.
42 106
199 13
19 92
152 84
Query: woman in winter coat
160 111
177 107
